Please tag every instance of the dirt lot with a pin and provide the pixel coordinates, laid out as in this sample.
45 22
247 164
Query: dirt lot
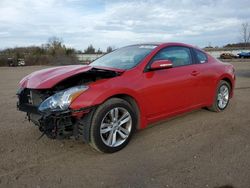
198 149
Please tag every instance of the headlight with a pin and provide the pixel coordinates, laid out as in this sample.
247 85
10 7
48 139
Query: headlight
61 100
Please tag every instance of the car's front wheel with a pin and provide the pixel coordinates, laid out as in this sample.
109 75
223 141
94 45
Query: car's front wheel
112 126
222 96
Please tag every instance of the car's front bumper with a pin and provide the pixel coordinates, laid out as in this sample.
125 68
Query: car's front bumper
54 125
60 124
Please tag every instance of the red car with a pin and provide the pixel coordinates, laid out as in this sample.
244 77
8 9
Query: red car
128 89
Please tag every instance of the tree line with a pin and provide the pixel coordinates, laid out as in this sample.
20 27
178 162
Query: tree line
91 50
54 52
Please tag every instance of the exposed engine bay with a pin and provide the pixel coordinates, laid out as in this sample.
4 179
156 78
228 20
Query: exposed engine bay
86 78
59 124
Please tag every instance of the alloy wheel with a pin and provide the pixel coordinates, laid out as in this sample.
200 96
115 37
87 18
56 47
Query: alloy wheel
116 127
223 96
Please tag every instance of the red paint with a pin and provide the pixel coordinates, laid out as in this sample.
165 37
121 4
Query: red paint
159 94
159 64
47 78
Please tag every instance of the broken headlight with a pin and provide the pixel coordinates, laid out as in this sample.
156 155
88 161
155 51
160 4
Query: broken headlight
61 100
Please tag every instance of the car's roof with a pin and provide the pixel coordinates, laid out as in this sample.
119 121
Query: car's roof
164 44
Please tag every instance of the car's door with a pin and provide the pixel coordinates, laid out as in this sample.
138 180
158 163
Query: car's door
169 90
205 80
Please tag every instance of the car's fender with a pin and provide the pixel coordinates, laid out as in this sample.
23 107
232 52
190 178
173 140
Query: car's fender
98 95
230 78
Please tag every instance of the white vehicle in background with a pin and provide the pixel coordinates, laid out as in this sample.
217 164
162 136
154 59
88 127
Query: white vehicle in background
20 62
13 63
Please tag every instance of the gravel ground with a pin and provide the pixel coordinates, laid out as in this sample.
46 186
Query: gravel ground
197 149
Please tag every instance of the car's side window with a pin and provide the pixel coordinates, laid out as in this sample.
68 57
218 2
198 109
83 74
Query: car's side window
200 56
177 54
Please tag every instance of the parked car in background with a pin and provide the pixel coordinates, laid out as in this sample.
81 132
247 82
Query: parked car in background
16 62
105 102
11 62
21 62
244 55
227 56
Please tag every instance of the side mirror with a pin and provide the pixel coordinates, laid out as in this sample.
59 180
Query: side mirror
161 64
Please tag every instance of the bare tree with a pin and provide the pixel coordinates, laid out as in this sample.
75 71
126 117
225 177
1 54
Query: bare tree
55 46
109 49
245 33
55 42
90 50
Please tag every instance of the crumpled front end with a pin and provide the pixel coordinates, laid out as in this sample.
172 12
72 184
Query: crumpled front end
57 124
49 107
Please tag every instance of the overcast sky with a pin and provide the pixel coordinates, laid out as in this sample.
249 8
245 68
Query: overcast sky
118 23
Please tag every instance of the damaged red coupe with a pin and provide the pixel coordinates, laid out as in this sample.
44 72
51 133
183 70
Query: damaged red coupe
105 102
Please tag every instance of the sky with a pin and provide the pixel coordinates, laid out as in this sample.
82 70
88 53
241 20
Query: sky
117 23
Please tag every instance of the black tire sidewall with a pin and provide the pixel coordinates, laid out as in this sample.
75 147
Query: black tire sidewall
218 89
96 123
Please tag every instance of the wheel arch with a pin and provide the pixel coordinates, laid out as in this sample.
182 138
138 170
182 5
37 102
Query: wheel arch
133 102
85 123
230 82
227 78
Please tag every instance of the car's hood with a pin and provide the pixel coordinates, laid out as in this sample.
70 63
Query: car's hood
47 78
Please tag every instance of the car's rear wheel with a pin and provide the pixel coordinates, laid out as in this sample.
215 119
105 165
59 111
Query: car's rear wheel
222 97
112 125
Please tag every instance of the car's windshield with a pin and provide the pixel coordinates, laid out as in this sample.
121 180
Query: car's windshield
124 58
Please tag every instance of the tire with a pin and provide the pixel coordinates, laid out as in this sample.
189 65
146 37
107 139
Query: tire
112 126
83 127
217 106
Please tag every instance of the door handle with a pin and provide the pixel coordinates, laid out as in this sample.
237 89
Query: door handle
194 73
